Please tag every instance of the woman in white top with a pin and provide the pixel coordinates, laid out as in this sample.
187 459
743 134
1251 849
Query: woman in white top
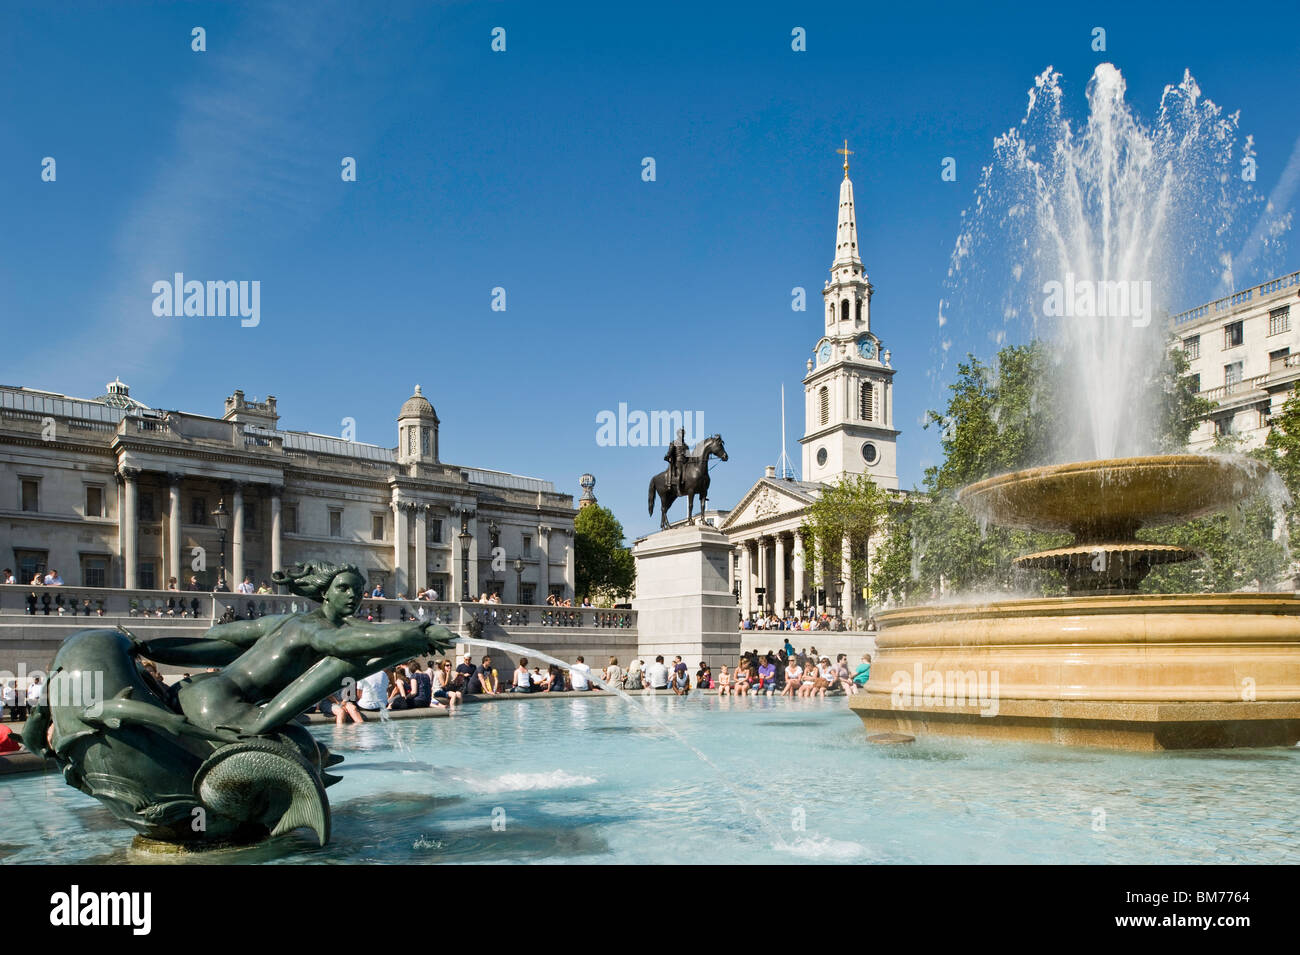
793 673
442 686
523 681
613 674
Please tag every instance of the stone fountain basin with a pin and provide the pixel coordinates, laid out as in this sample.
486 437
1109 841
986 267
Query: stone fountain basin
1110 499
1142 671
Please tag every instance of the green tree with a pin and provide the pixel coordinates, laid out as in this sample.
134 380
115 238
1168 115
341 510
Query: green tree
998 418
853 509
602 567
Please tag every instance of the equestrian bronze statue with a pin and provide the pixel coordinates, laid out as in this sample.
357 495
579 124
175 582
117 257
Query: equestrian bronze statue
686 476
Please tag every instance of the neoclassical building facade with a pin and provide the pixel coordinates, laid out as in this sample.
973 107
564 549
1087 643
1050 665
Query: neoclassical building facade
110 492
848 429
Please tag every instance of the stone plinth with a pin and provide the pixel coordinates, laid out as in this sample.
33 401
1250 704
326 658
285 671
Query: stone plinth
683 598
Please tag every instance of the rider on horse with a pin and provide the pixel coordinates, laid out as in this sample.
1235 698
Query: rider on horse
676 458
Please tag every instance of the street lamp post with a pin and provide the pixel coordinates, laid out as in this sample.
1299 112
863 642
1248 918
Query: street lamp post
839 597
221 518
465 537
519 580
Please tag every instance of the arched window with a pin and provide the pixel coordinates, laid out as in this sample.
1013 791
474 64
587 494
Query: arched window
867 402
824 399
844 310
859 310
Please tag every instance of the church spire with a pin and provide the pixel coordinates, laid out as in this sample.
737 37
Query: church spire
846 233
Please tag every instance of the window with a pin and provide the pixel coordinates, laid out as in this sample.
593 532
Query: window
527 593
94 571
1279 320
30 493
869 453
1277 359
425 442
250 515
435 530
336 522
198 510
867 402
1192 347
377 527
30 563
94 501
1223 426
410 441
1232 335
859 310
1196 382
821 457
1232 374
528 545
824 400
144 506
844 310
144 576
289 519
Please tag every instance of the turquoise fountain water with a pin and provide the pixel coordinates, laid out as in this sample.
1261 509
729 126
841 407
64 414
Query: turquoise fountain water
587 780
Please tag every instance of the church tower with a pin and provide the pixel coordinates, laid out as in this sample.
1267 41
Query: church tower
849 385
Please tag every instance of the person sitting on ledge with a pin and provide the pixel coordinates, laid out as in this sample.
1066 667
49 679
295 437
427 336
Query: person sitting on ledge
442 679
578 676
704 677
724 680
635 679
484 679
657 674
554 679
523 680
613 674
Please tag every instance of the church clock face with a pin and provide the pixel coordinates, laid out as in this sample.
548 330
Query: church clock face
824 353
867 348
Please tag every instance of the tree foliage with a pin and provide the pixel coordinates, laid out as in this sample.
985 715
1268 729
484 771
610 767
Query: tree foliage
853 509
603 568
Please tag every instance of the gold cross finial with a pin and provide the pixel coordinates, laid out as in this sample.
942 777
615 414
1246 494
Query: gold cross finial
846 152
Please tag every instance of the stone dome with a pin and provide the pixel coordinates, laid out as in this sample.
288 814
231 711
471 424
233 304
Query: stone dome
417 406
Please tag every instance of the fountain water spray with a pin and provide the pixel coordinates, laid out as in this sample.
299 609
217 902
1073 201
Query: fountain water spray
1088 233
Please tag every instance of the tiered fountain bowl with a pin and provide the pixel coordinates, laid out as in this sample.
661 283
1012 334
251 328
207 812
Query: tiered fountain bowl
1105 665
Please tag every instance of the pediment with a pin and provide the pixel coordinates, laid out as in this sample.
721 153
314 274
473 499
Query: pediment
767 500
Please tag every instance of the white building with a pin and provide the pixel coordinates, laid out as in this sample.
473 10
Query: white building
848 429
111 492
1245 351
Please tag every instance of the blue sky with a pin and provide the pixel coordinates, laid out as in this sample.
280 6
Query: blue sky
522 170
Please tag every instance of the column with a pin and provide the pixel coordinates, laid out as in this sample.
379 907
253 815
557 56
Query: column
763 580
746 580
474 578
277 528
543 562
421 581
798 567
401 543
846 574
236 536
778 596
174 528
453 538
129 527
569 573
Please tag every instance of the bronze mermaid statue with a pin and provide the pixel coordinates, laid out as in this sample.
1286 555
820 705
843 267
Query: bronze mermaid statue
220 759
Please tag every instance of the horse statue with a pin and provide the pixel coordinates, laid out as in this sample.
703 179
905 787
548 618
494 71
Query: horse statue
695 479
